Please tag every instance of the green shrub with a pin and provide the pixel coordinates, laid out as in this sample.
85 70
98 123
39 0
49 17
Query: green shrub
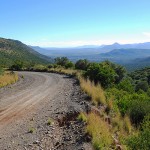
102 73
141 141
69 65
82 64
18 65
1 71
138 110
142 85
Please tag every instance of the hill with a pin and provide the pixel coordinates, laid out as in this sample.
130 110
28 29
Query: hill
11 50
138 63
125 55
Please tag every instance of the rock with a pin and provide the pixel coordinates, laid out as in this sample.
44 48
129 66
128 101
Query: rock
36 142
57 143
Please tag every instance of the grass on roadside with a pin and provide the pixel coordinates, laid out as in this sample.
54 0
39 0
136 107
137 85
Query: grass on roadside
63 71
99 131
82 117
94 91
8 78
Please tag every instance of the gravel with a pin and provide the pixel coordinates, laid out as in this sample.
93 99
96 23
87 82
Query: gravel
27 106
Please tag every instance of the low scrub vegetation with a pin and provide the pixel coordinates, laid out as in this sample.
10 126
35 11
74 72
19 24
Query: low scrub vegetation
8 78
99 131
94 91
122 98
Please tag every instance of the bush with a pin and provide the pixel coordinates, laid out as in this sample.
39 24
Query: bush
126 85
138 110
1 71
102 73
142 140
82 64
18 65
62 61
143 85
69 65
40 68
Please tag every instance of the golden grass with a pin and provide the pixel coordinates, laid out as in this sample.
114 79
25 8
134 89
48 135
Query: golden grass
8 78
99 130
94 91
121 125
82 117
64 71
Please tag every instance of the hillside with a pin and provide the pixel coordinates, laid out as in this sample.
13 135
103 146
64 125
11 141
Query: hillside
11 50
125 55
138 63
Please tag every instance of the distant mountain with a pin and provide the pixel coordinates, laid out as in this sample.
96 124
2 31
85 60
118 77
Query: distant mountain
125 55
108 48
138 63
87 50
11 50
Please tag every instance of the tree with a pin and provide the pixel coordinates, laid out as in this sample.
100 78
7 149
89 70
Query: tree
82 64
142 85
69 65
61 61
18 65
102 73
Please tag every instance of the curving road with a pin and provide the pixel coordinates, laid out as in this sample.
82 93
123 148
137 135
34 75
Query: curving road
31 102
21 97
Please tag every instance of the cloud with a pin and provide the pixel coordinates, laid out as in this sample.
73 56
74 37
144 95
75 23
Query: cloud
146 34
63 43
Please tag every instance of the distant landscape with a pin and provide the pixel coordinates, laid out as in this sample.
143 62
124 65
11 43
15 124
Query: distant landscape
129 55
75 75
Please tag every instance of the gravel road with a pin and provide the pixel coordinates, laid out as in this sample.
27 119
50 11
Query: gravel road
26 107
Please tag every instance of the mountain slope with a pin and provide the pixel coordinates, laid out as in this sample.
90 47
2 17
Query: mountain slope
125 55
108 48
138 63
11 50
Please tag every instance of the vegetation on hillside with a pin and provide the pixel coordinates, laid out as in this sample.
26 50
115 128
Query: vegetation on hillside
12 50
124 98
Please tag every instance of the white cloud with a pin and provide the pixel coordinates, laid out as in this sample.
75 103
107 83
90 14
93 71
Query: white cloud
45 42
64 43
146 34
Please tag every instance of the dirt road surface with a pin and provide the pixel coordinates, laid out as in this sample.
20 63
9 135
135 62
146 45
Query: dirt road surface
39 112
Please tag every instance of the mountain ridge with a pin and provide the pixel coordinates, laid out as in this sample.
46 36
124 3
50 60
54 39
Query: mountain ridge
12 50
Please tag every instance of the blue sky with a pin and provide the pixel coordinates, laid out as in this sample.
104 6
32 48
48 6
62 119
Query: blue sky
64 23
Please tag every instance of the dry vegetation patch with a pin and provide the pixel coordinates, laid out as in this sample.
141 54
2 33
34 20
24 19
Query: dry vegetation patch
8 78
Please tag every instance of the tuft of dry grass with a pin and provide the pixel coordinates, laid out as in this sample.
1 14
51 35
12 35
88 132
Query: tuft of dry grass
63 71
122 125
99 131
8 78
82 117
94 91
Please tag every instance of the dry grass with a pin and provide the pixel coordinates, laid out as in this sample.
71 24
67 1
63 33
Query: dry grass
64 71
99 130
8 78
94 91
121 125
82 117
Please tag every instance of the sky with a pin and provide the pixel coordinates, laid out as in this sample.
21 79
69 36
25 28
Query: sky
69 23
